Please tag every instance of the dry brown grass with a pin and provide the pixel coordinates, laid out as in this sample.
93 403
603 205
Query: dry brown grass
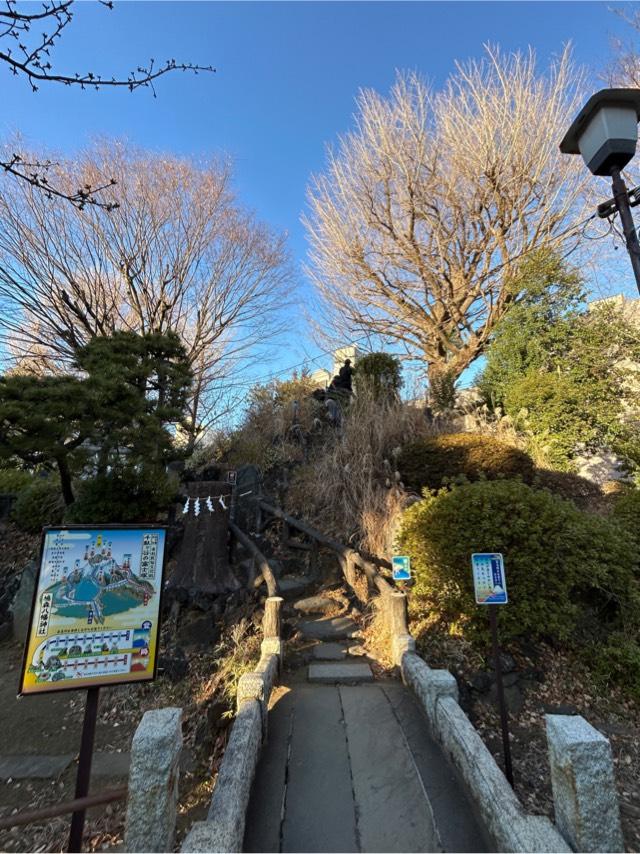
350 488
377 636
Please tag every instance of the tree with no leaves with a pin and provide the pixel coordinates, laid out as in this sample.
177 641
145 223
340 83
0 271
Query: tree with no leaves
29 35
624 67
178 254
417 224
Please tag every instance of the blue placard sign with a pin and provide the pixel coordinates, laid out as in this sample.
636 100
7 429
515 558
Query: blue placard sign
489 579
401 567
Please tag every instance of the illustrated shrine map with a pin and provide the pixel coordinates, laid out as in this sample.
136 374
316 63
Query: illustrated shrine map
96 611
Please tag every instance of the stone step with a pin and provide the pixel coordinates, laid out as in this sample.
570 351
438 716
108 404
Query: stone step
291 587
329 628
315 605
343 672
330 652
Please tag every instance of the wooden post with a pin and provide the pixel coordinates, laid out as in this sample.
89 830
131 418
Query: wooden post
313 559
271 622
397 613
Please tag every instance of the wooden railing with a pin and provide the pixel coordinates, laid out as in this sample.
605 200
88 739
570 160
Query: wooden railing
351 562
263 563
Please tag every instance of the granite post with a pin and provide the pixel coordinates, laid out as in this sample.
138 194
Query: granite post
153 782
583 783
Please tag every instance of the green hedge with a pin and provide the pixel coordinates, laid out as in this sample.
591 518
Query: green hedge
127 495
567 571
13 480
627 512
39 504
432 462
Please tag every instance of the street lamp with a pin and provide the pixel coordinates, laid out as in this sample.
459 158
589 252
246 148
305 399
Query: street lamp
605 133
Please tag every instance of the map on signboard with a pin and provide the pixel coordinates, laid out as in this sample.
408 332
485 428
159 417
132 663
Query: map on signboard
488 578
401 567
96 611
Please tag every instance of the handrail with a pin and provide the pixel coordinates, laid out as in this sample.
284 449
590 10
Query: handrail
349 555
263 563
32 816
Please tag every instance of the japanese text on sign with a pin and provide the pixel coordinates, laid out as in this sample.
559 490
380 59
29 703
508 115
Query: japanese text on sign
489 579
95 616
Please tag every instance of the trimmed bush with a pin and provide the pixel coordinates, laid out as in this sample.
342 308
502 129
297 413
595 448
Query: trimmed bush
39 504
123 496
626 511
565 569
378 374
584 493
618 660
431 462
13 480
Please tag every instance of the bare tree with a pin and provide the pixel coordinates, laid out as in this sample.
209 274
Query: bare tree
178 253
29 35
624 68
416 225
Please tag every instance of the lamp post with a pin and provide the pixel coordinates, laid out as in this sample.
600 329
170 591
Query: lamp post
605 133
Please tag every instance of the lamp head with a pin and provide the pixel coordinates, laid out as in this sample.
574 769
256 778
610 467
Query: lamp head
605 131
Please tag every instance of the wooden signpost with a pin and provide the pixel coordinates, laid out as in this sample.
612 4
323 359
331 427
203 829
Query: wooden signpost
491 589
95 621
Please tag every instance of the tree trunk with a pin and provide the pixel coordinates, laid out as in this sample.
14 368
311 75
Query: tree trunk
203 560
442 380
65 480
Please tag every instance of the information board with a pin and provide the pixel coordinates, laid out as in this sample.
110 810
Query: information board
96 608
488 578
401 567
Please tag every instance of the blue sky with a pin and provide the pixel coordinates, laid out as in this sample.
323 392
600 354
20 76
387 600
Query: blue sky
285 85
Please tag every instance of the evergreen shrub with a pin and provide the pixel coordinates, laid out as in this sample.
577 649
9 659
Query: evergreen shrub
378 374
618 660
626 511
38 504
584 493
13 480
124 495
564 567
433 461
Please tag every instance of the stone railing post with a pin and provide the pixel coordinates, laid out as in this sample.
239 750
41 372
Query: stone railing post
584 788
153 782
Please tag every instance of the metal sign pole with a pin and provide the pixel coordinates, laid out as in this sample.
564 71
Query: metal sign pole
83 777
504 720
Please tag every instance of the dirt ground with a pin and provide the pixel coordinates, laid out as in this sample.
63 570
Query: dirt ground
50 725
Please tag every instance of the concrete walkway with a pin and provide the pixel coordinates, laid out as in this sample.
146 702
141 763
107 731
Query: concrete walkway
352 768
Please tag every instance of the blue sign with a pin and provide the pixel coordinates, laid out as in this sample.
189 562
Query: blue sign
489 579
401 567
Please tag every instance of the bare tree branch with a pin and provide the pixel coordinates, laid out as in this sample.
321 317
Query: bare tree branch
34 61
178 253
418 213
28 55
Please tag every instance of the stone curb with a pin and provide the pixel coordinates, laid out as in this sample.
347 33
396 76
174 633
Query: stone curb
223 831
511 828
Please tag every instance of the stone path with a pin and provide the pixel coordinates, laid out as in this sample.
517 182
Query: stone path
352 768
349 765
46 767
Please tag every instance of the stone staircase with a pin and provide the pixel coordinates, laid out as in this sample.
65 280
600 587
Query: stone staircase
333 662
